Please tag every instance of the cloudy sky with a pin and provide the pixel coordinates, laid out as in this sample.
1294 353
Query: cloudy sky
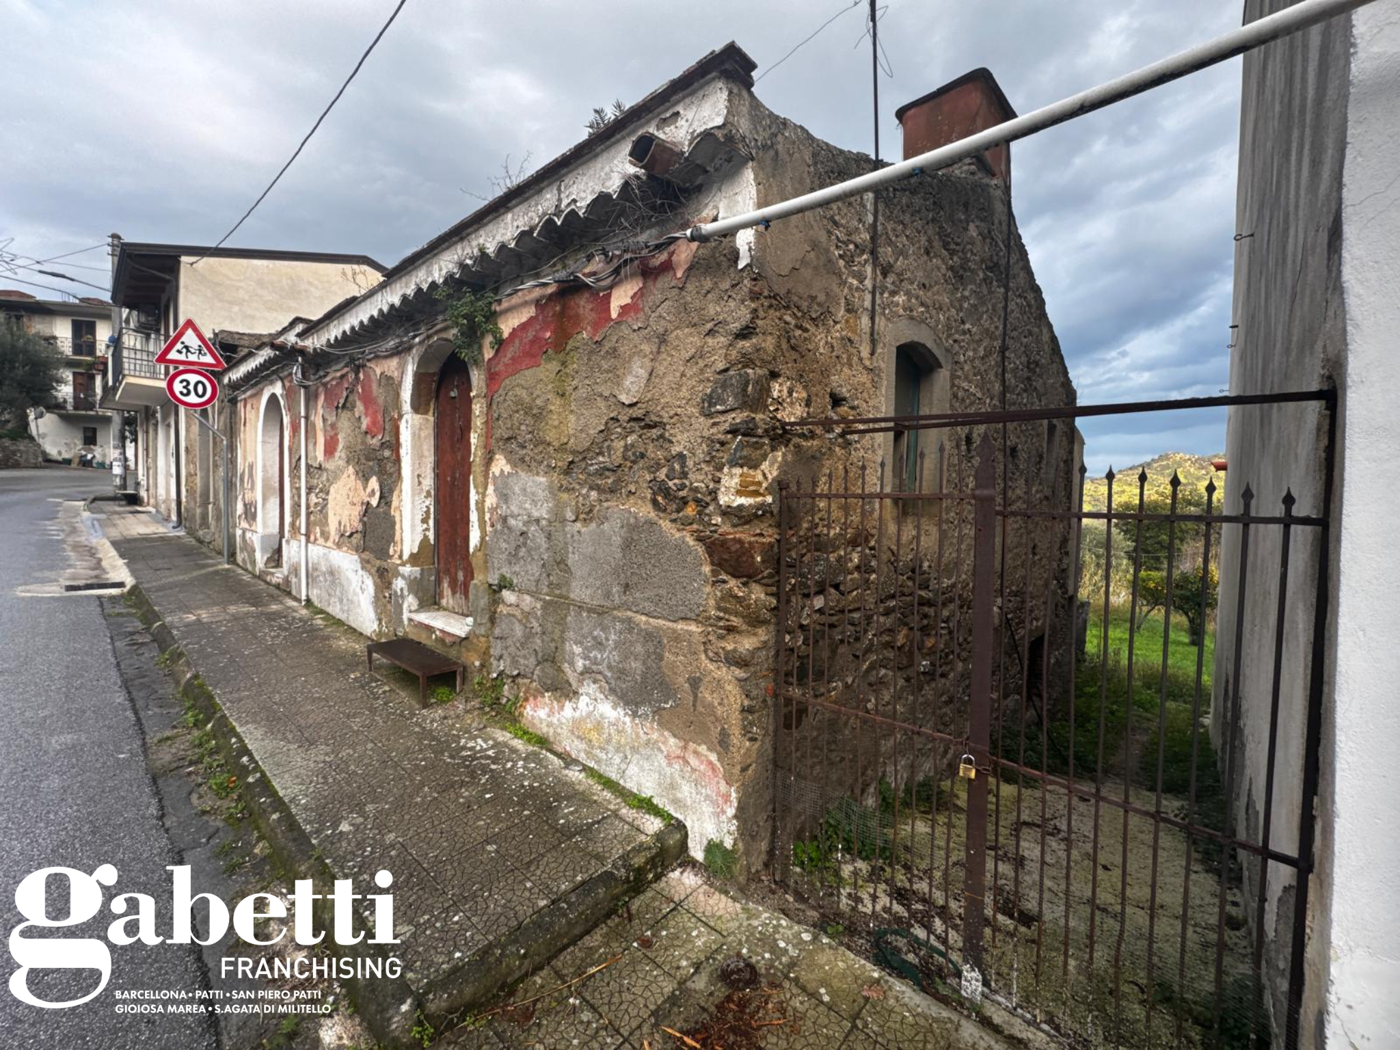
163 120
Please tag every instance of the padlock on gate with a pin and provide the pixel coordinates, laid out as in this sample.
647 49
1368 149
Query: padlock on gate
967 768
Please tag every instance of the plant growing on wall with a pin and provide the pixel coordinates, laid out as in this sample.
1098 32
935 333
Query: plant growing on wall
472 315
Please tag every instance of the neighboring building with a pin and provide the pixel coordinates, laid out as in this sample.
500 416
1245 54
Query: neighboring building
1316 302
71 423
155 287
589 504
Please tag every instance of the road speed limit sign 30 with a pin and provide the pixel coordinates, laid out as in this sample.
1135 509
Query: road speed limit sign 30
192 388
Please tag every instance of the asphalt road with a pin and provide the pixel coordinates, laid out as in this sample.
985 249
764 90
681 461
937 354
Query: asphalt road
74 788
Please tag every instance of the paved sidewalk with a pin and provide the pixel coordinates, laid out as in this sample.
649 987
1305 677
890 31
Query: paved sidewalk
485 833
480 831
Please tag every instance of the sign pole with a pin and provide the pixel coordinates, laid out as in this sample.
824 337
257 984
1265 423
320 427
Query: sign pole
193 386
223 444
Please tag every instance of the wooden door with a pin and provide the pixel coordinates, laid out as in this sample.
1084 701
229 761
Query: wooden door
453 484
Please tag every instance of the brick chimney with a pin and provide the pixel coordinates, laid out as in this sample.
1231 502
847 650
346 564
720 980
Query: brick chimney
972 103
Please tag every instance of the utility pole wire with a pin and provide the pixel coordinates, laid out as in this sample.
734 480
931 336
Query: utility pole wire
372 44
46 287
79 251
807 40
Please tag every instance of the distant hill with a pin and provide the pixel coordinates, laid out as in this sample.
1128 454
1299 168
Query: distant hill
1195 471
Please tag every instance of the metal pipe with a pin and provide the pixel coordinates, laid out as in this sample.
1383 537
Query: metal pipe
1291 20
305 392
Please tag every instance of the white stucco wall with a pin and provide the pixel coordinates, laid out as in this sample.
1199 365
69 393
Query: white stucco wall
262 295
1364 990
60 434
1316 302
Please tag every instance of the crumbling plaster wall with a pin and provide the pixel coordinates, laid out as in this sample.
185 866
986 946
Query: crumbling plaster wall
627 443
603 491
358 568
634 458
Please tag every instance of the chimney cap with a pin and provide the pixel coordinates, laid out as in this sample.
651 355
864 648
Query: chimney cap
981 73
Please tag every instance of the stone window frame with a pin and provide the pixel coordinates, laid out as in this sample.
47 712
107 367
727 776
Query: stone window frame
907 336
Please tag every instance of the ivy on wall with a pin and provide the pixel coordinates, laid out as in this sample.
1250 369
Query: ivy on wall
472 315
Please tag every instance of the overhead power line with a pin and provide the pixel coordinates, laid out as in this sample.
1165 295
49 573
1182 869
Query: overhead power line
807 40
372 44
93 248
36 284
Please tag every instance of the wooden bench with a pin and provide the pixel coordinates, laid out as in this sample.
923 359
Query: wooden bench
416 658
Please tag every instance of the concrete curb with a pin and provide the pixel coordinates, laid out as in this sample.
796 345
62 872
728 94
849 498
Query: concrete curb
390 1006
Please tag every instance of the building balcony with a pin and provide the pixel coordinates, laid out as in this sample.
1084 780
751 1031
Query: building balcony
135 381
84 350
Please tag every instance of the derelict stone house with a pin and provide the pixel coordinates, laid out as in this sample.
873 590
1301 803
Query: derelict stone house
588 506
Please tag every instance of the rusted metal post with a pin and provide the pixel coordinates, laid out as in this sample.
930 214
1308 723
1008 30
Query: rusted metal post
778 862
984 554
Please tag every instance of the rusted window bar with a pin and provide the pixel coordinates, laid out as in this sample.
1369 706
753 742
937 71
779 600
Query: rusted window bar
1103 711
937 705
879 559
895 575
1025 655
1271 759
915 654
826 651
781 858
845 639
1162 748
1195 752
863 690
1128 765
979 722
955 660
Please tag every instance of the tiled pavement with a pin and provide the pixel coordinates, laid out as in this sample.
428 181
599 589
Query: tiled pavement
660 965
481 831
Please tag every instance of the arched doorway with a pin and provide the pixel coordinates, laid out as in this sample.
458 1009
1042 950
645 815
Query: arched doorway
452 487
272 481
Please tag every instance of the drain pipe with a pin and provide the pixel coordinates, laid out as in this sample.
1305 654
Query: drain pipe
305 517
1291 20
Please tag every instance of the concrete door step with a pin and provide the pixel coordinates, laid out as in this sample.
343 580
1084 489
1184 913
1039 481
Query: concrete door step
440 620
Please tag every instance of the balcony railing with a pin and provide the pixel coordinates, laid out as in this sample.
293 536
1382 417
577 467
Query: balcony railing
80 348
74 403
135 356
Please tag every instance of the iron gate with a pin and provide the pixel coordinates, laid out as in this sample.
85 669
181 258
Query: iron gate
1004 753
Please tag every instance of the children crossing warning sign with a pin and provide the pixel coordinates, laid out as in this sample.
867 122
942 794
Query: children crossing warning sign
189 349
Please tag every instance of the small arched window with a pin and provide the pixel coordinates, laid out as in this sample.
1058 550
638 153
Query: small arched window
920 389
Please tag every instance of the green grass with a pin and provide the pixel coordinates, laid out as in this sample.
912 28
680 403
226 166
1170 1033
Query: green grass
1153 700
529 736
640 803
722 862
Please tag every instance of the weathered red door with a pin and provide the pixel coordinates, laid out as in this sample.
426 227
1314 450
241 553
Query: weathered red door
454 467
